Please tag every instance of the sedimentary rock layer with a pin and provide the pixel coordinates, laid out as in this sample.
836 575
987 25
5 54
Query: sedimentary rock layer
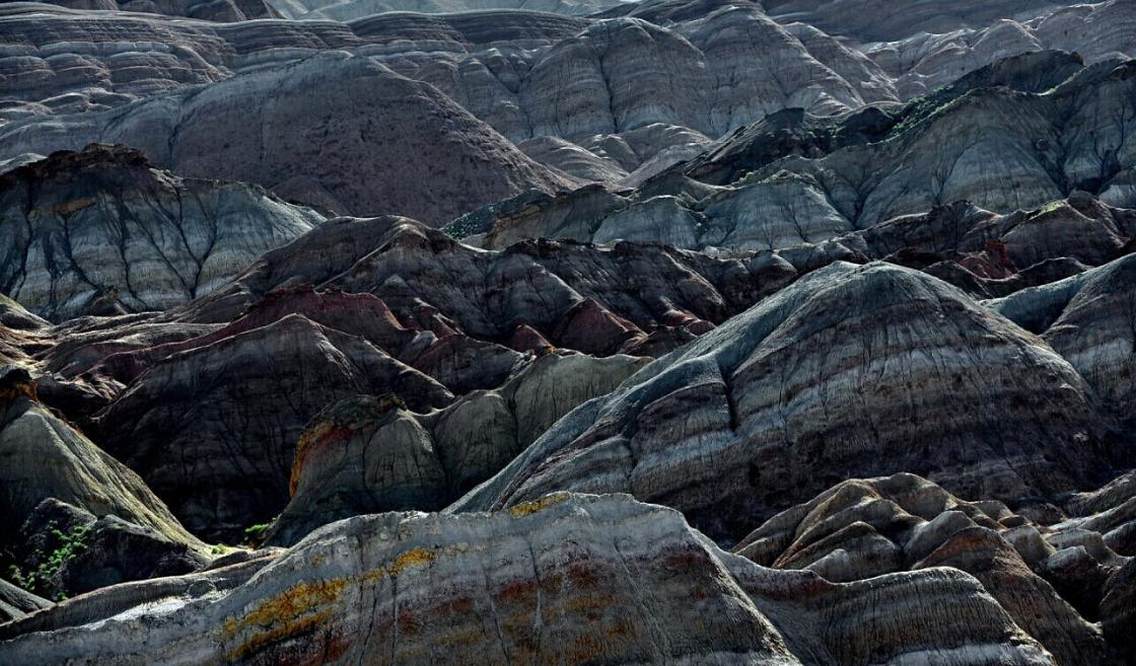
100 231
538 582
849 371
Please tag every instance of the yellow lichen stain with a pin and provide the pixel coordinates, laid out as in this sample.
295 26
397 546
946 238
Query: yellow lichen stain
528 508
415 557
292 612
277 634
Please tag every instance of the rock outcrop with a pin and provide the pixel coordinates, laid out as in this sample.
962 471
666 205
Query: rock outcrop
851 371
844 288
16 603
310 134
1089 319
100 229
1053 126
539 582
368 455
43 457
864 528
213 429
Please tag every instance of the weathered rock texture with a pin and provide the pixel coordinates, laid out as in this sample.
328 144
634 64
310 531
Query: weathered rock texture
213 428
540 582
1015 135
851 371
1090 319
43 457
329 114
864 528
367 455
610 98
101 229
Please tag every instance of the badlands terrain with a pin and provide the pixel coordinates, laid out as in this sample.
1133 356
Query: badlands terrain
568 332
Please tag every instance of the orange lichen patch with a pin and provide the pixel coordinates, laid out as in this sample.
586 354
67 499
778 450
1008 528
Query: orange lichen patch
293 611
321 434
527 508
415 557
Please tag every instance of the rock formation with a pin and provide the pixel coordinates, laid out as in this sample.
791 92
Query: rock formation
203 133
864 528
409 307
779 402
100 229
367 455
538 582
1053 126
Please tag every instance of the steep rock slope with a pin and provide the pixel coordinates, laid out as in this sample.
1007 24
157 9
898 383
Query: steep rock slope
1090 319
1043 123
867 21
851 371
46 459
209 10
346 10
511 586
629 298
101 229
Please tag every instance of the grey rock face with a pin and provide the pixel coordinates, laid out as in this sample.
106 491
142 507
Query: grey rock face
189 425
864 528
209 10
68 551
347 10
102 225
367 455
317 98
1088 319
501 586
45 458
766 408
16 603
629 298
795 178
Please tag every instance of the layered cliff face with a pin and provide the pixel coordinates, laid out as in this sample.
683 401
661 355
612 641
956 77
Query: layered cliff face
1046 123
203 133
628 92
875 369
539 582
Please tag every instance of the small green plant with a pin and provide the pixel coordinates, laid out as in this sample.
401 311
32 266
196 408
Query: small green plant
42 579
255 533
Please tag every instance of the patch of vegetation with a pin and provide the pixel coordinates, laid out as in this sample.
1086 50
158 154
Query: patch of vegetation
254 534
43 580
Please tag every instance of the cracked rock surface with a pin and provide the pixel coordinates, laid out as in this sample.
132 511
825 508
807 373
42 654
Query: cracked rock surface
100 231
